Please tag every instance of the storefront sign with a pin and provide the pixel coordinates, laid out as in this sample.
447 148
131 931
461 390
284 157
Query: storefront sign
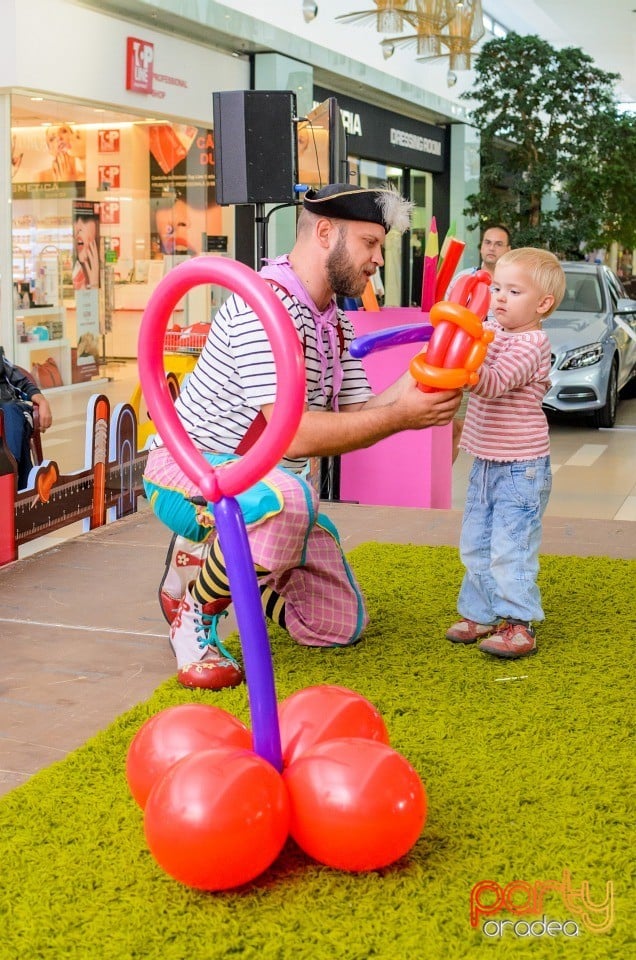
378 134
141 76
139 59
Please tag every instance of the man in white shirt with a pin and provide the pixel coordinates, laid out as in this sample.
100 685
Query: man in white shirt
304 579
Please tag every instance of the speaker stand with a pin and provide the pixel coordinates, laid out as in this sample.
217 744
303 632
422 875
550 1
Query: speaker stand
262 223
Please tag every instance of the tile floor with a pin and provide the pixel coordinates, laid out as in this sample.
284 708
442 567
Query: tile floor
81 634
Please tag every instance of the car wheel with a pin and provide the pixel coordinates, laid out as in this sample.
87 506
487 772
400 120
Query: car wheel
606 416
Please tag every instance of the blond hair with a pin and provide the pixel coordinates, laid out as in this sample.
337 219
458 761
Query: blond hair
545 271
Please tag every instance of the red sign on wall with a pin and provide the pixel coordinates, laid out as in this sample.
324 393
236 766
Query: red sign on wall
139 58
108 140
109 211
108 176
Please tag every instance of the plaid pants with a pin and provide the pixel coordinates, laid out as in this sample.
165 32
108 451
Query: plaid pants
287 536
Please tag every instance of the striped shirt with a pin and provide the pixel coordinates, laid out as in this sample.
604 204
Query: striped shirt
504 418
235 375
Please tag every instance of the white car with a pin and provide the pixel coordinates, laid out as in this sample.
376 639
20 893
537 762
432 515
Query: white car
593 339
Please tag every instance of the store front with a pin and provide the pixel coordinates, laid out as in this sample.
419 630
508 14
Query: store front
413 156
108 193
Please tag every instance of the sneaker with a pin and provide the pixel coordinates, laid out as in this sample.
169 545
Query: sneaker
202 659
511 641
467 631
183 562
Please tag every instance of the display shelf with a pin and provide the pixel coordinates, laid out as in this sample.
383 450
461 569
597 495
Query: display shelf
46 310
36 243
53 318
36 351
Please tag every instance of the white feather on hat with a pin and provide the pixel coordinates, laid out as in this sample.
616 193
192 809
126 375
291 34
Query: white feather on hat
396 210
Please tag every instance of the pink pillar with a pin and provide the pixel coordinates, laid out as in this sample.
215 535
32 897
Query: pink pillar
8 487
410 469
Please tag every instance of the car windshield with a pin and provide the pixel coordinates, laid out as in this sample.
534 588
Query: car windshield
582 294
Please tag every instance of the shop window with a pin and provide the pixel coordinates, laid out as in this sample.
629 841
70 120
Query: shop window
98 198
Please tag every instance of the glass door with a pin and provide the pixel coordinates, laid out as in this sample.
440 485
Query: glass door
422 197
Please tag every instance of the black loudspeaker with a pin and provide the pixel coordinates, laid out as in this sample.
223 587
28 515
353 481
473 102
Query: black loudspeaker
255 146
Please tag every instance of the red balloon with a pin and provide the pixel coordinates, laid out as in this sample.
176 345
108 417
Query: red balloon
355 804
217 818
326 712
174 733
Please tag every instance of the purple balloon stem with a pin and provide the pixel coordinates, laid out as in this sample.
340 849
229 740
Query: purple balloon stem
257 654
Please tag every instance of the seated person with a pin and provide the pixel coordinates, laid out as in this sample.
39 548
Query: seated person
17 394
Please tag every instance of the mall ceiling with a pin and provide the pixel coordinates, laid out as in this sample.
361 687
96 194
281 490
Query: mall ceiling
606 30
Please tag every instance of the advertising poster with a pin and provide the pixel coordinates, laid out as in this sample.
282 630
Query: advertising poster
48 161
86 284
183 208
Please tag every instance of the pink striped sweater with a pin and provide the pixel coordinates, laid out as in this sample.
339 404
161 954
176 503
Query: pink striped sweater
504 418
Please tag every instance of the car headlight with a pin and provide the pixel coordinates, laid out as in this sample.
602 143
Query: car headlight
585 356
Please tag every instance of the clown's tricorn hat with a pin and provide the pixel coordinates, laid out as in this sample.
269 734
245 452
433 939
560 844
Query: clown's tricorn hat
345 201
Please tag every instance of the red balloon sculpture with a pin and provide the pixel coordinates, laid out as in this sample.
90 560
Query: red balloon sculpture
457 345
216 812
459 342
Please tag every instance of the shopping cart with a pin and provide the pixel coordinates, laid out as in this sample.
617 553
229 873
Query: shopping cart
186 339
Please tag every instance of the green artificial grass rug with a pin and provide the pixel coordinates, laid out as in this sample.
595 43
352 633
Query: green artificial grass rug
527 767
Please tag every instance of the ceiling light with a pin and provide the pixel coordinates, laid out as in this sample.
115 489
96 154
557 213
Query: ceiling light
310 10
389 16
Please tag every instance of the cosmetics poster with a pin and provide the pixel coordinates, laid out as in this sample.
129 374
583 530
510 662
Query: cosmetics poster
48 161
183 209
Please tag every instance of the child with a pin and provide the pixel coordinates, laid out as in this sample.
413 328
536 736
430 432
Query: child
507 433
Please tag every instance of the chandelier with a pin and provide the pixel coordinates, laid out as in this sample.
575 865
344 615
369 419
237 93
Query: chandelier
431 18
463 32
443 28
390 16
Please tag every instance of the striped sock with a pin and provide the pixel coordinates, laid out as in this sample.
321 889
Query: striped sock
274 606
213 584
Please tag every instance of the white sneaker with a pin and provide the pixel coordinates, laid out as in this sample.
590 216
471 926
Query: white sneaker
202 659
184 559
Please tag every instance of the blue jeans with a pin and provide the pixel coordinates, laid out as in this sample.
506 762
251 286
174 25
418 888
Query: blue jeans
17 433
500 539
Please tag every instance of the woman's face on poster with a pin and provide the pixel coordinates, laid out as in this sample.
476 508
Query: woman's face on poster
85 233
59 139
181 228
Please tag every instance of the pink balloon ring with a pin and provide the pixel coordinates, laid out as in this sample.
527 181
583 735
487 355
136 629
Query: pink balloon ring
288 358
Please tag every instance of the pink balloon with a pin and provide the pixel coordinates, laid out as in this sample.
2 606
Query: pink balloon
288 356
327 712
